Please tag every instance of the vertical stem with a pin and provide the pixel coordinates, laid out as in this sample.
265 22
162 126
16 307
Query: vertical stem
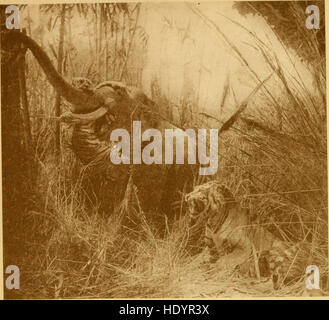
130 44
70 41
106 51
29 21
115 52
59 69
95 31
99 57
89 39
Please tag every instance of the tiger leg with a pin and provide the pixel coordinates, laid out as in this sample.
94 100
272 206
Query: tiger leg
196 234
210 243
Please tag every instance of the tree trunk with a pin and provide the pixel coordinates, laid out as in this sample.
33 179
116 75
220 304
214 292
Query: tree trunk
24 104
16 187
28 141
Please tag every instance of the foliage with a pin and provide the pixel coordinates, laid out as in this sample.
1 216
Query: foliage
288 20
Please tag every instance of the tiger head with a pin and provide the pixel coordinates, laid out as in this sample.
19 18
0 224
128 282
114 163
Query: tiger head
208 197
82 83
208 206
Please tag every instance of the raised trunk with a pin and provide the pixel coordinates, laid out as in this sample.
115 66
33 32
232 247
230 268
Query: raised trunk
82 101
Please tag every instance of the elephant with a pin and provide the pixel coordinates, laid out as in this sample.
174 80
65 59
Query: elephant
116 105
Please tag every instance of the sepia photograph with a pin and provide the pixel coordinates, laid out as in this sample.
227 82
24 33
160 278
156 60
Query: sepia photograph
164 150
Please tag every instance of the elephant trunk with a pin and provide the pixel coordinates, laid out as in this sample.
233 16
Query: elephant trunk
82 101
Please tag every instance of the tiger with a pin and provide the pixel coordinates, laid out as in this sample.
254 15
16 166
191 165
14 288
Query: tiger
82 83
203 203
219 223
89 138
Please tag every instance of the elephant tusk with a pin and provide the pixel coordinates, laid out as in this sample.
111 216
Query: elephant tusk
98 113
91 116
